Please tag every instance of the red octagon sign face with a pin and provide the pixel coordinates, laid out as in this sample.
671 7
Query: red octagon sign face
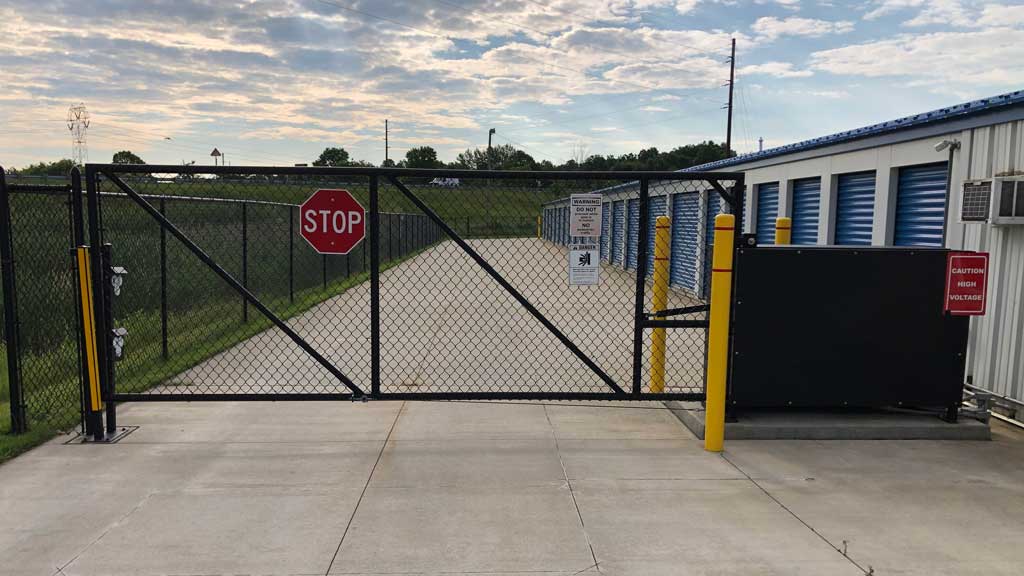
332 221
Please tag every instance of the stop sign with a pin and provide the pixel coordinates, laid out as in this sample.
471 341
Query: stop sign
332 221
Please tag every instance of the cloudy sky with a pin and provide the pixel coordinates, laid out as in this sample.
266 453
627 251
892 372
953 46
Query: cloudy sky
277 81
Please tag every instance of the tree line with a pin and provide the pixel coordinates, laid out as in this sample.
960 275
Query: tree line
502 157
508 157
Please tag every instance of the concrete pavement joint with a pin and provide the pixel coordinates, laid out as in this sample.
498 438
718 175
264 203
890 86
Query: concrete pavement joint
365 486
115 524
842 551
572 494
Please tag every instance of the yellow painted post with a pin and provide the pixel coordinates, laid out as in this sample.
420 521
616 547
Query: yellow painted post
783 231
538 226
89 328
718 332
660 296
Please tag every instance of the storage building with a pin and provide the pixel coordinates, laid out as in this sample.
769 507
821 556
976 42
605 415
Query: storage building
897 183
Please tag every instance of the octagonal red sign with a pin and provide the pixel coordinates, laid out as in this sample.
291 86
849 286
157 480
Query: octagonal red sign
332 221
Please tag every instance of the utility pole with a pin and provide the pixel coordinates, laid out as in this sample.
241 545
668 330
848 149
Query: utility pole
489 134
78 125
385 141
732 82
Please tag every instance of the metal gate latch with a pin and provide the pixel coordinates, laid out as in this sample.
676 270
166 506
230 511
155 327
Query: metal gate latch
117 278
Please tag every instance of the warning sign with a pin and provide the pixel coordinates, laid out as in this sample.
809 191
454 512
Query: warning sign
584 265
585 215
966 283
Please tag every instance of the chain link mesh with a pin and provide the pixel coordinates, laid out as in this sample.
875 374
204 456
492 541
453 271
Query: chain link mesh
47 323
448 326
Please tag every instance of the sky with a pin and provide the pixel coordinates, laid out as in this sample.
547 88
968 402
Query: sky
275 82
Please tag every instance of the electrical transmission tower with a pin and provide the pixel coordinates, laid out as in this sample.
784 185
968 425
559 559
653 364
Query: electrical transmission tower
78 124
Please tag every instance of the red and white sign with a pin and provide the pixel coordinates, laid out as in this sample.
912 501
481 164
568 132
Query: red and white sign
966 283
332 221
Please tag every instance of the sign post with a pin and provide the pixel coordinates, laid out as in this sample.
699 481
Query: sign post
332 221
966 283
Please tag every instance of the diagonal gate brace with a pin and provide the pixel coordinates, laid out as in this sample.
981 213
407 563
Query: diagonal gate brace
569 344
227 277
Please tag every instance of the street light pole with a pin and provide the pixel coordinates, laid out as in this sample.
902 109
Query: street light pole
489 134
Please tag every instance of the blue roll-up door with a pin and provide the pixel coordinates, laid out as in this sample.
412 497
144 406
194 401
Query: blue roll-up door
921 205
618 229
714 208
767 211
855 209
656 206
632 232
685 238
806 207
606 230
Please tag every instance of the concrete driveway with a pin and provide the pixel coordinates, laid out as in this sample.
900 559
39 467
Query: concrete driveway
490 488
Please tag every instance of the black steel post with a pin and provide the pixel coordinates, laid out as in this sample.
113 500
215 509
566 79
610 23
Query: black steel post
291 254
106 330
245 260
78 239
94 419
19 421
77 217
323 260
374 288
163 285
641 285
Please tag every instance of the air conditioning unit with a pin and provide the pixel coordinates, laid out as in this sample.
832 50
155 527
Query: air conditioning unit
998 201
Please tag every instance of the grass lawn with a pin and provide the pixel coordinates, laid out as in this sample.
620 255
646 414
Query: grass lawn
144 366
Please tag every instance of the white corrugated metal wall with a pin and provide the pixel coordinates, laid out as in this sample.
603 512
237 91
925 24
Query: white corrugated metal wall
996 351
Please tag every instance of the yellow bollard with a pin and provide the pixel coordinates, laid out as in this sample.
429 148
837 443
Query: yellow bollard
718 332
783 231
95 403
538 226
660 296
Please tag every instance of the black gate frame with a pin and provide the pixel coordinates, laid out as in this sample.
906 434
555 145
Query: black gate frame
101 264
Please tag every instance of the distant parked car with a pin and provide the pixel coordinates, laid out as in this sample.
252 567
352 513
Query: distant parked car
445 182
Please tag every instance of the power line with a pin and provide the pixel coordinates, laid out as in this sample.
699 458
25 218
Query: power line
523 146
632 125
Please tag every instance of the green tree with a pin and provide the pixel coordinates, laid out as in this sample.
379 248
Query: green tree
503 157
422 157
58 168
333 157
126 157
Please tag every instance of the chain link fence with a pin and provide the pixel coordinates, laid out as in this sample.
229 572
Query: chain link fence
473 296
40 384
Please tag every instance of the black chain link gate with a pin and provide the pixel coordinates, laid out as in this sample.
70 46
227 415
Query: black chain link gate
459 291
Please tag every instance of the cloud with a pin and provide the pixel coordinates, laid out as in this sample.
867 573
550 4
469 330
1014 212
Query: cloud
776 69
930 12
1000 15
686 6
655 109
996 58
770 28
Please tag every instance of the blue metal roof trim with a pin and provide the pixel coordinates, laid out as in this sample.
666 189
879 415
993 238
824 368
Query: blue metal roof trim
940 115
